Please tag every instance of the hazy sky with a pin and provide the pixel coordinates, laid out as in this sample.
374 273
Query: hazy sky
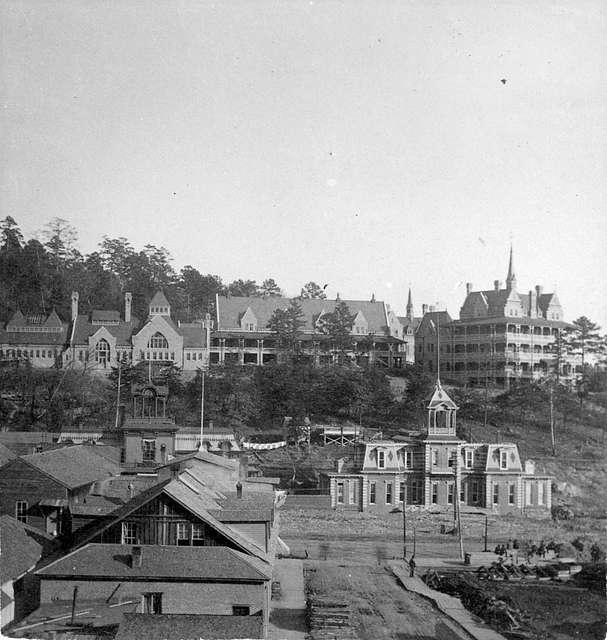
366 145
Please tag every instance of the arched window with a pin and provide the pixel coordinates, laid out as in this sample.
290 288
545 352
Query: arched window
102 352
158 341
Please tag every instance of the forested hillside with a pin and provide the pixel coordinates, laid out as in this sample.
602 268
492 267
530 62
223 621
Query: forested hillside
38 274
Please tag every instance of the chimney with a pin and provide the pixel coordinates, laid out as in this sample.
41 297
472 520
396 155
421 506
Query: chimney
239 489
136 556
468 288
531 305
496 285
128 301
131 488
539 290
339 464
75 297
372 297
424 309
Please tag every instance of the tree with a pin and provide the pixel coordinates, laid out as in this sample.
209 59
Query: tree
582 338
60 238
11 238
114 253
269 288
312 291
337 325
199 291
244 288
287 324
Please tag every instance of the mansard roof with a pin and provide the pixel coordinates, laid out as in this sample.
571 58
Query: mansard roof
230 310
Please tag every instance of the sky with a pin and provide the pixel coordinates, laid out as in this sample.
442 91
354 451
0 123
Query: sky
370 146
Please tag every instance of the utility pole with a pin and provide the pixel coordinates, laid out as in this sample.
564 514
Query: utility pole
118 398
552 438
201 407
486 524
405 523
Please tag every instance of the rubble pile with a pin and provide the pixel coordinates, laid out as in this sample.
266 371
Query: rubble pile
329 619
498 613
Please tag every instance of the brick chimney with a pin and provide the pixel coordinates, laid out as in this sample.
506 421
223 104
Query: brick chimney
496 285
468 288
239 489
128 301
424 309
75 297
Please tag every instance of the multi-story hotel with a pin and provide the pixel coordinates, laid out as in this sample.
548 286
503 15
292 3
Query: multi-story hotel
502 336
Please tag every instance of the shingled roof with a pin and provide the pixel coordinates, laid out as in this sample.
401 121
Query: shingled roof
84 328
73 466
22 547
158 562
231 309
173 626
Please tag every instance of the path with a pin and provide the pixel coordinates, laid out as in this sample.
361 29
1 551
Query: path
288 612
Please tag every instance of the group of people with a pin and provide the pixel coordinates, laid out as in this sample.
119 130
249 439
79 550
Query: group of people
531 550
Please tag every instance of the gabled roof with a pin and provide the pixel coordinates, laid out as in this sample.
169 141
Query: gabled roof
53 320
440 398
21 547
230 310
6 454
194 336
173 626
16 320
73 466
158 562
84 328
159 300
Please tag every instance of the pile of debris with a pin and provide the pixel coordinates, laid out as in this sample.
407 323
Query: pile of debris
498 613
329 619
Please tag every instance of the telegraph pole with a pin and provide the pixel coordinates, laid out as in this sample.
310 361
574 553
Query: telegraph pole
201 406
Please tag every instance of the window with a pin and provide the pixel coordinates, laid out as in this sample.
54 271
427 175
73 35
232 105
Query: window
129 533
197 534
372 493
102 352
241 610
401 492
388 493
149 450
353 492
434 492
416 491
152 602
340 493
450 492
474 492
496 493
21 511
434 455
528 493
158 341
451 460
469 458
540 493
503 459
511 493
408 459
381 459
183 539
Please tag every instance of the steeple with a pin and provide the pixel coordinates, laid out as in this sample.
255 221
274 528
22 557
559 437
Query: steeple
441 413
409 306
511 277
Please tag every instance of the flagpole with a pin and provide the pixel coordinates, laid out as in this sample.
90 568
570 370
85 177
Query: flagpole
117 398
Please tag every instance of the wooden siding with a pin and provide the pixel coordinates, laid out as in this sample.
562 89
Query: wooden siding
156 523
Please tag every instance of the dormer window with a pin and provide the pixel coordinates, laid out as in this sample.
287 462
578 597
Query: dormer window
469 458
408 455
381 459
503 459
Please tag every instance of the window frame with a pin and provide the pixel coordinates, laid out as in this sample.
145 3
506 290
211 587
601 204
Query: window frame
495 498
381 459
129 533
389 493
21 511
504 459
339 492
373 492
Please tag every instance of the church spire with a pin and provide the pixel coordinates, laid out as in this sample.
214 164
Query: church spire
409 306
511 277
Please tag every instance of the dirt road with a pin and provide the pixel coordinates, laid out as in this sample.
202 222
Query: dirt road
380 609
